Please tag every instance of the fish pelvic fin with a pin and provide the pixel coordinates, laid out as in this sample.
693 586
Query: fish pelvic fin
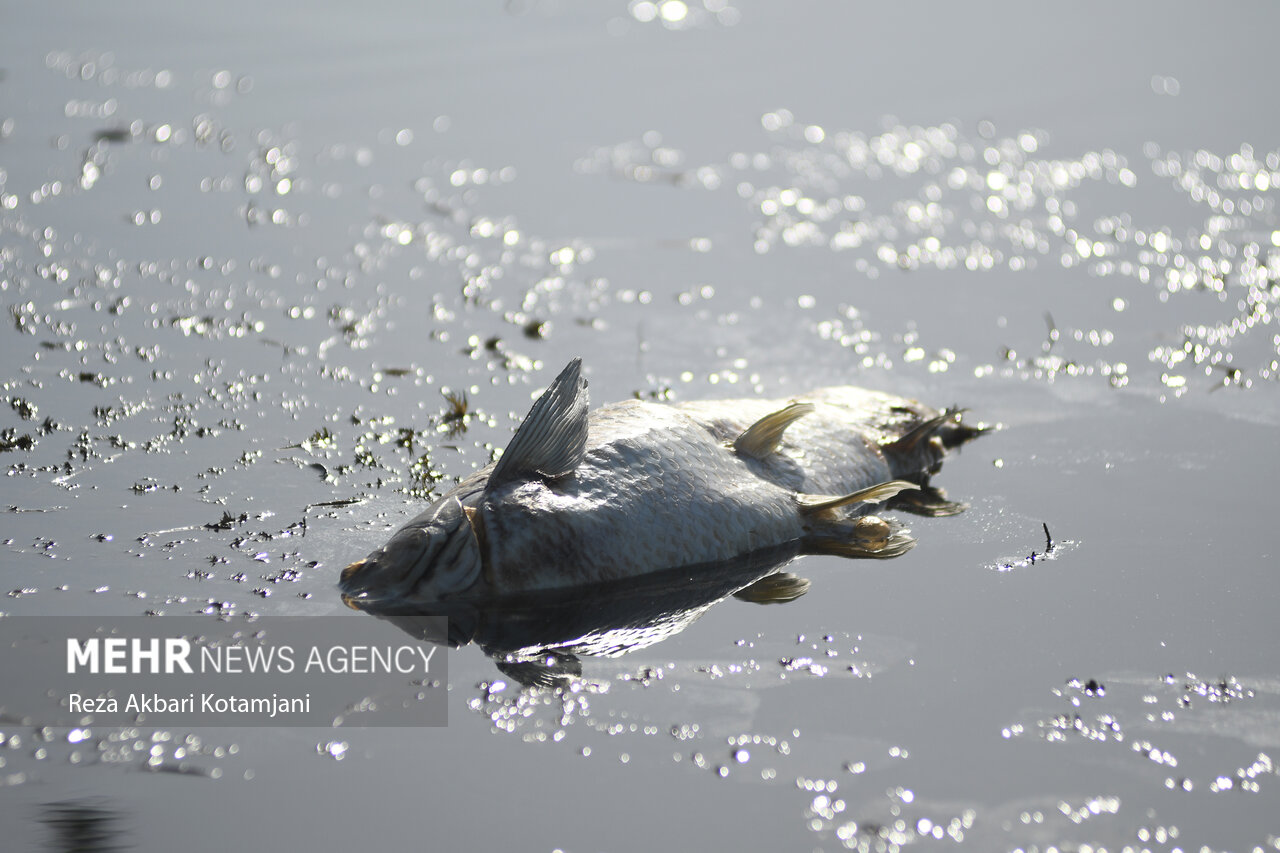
763 437
552 439
818 504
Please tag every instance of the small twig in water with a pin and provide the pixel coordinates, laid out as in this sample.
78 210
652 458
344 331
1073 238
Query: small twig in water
1053 331
1049 547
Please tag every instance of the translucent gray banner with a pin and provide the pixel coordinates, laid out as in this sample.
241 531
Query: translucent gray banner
189 670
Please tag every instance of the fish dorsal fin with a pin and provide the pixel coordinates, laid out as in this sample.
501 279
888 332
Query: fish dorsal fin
552 439
762 437
811 504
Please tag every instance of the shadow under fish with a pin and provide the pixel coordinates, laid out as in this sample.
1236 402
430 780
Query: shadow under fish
601 533
537 637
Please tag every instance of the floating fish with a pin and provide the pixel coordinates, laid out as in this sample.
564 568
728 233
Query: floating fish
638 487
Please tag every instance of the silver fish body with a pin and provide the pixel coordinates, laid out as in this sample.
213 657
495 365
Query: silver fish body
637 487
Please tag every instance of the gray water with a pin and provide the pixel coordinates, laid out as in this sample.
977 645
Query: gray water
246 250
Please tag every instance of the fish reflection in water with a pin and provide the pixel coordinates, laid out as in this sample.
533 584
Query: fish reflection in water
599 533
78 825
536 638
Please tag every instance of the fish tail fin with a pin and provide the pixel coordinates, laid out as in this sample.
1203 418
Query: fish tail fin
956 432
949 427
868 537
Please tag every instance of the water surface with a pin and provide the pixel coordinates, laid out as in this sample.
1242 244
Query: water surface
246 252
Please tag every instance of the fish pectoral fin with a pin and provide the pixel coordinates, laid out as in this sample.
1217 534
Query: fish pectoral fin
763 437
815 504
552 439
868 537
776 588
475 518
551 670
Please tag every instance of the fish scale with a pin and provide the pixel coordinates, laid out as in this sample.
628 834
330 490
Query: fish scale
638 486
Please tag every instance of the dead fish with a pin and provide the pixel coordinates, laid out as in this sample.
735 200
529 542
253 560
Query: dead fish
636 487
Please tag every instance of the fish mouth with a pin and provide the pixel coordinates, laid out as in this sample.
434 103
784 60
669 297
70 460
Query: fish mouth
350 571
385 574
345 580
